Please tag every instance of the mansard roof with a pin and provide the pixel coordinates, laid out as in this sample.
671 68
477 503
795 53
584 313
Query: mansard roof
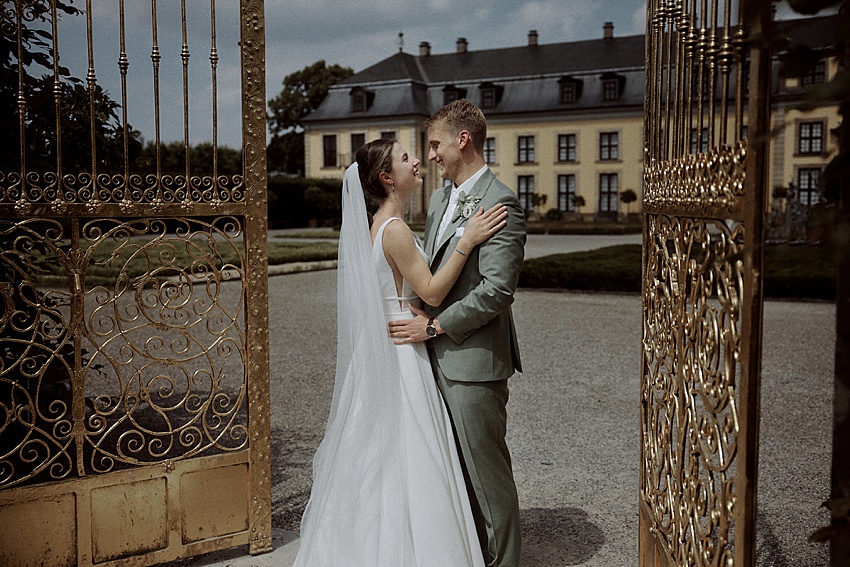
530 77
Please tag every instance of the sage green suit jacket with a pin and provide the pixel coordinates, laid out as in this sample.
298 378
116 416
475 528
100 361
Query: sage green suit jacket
480 342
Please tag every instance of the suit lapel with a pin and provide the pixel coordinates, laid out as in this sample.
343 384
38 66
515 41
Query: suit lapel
478 190
434 224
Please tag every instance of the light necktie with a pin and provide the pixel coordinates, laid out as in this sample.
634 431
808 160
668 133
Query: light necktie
447 216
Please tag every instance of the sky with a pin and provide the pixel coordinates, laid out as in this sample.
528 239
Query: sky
299 33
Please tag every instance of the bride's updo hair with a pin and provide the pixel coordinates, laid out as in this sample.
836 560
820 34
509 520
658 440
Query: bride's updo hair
373 159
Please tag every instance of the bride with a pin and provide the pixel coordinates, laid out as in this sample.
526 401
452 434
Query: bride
388 488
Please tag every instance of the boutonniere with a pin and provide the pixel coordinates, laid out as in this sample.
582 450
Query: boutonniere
466 205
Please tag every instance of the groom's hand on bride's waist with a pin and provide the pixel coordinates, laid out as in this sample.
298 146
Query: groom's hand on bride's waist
414 330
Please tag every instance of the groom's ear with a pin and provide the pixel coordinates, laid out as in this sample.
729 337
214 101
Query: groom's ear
463 139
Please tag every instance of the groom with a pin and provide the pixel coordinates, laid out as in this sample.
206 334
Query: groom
471 338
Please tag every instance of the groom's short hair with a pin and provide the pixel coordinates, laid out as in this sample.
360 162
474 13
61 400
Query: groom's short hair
462 115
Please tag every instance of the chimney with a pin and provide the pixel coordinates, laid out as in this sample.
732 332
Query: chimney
424 49
532 38
461 45
608 30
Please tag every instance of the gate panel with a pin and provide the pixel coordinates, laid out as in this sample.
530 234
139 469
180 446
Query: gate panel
706 125
134 379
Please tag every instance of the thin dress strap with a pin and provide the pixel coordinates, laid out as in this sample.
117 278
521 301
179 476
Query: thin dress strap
379 240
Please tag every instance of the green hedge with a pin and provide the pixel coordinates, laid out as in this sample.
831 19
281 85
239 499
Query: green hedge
296 201
800 272
614 268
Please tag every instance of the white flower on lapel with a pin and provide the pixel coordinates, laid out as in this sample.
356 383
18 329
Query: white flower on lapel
466 205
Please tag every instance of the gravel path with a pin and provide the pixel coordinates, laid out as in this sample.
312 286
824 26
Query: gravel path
574 419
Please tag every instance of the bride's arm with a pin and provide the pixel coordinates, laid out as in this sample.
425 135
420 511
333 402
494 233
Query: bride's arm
401 250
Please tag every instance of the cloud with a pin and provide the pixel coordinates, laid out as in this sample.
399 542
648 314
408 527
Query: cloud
299 33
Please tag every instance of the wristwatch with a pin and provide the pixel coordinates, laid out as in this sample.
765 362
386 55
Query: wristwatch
430 329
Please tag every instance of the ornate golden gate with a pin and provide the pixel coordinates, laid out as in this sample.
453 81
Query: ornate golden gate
705 154
134 401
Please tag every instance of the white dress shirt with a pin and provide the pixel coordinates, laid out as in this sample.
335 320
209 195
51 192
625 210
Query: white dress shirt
466 186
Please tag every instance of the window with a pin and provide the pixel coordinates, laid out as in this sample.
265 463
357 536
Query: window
817 75
566 147
807 183
525 149
608 192
452 93
388 135
810 138
566 193
609 146
357 142
570 89
491 94
610 89
358 101
329 150
488 98
612 86
361 99
490 151
525 189
703 144
568 93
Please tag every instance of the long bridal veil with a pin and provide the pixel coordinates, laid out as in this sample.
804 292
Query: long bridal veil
357 507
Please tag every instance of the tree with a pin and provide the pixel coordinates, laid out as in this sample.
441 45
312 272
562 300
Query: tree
302 93
628 197
172 157
578 203
36 68
537 200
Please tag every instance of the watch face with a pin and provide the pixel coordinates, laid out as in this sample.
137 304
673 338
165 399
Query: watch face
431 331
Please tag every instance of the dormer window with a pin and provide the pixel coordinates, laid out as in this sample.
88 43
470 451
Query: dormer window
451 93
612 86
491 94
816 75
570 90
361 99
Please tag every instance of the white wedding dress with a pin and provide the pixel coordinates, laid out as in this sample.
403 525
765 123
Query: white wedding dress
388 485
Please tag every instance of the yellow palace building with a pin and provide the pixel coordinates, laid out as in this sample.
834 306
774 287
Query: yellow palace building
565 120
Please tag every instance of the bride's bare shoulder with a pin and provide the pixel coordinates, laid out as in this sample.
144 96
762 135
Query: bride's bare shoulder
397 235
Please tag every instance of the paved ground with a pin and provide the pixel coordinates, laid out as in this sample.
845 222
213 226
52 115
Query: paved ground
574 422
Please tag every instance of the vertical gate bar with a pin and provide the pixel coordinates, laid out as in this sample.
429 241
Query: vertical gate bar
91 80
653 80
75 325
712 75
676 31
669 33
691 44
741 62
123 64
726 56
155 58
57 92
751 316
22 101
214 66
702 48
645 539
184 54
252 46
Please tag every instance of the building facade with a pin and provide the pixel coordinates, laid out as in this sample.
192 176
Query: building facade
565 120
